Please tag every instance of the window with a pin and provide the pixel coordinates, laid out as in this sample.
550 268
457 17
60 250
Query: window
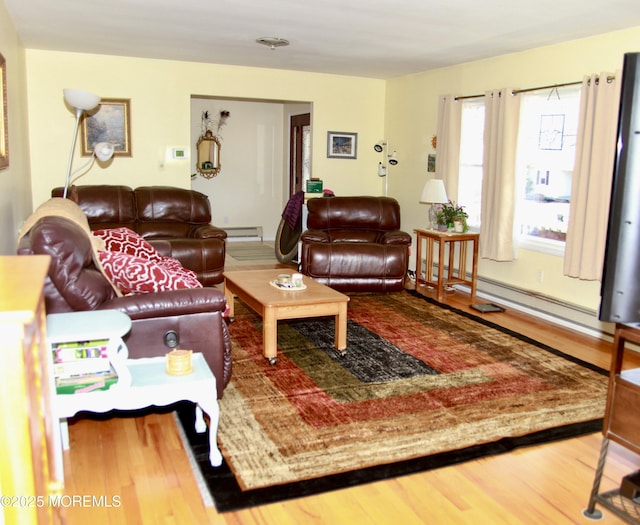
545 161
471 155
544 168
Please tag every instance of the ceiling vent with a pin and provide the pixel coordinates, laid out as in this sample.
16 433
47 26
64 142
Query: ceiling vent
272 42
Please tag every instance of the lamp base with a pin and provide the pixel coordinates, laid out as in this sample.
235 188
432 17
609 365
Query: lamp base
433 217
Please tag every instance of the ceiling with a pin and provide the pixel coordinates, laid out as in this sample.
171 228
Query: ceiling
366 38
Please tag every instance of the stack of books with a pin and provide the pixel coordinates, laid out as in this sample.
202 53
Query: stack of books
82 366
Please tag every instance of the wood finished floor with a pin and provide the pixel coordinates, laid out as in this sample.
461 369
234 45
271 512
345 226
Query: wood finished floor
140 467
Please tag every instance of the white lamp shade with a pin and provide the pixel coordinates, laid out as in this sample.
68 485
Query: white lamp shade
104 151
81 99
434 192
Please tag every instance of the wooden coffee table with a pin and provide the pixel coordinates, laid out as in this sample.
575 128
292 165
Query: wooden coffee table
253 288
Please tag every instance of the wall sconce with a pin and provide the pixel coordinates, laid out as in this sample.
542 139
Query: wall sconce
434 193
392 159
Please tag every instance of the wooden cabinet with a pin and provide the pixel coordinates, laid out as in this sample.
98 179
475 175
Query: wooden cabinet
621 425
28 471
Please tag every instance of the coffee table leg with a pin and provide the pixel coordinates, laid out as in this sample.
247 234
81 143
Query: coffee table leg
341 327
270 335
230 301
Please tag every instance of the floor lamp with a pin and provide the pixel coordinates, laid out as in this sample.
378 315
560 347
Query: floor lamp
80 101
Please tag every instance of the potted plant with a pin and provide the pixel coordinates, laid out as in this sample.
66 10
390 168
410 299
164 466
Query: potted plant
453 217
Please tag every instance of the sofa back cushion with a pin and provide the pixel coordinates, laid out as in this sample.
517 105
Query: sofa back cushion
346 217
165 211
105 206
353 213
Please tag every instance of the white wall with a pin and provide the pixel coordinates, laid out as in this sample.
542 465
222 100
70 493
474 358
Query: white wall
250 188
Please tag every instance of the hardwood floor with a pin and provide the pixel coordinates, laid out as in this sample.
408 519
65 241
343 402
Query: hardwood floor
138 467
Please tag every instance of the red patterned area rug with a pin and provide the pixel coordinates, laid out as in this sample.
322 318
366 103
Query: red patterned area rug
421 386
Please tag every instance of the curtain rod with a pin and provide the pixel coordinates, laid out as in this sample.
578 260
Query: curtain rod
527 90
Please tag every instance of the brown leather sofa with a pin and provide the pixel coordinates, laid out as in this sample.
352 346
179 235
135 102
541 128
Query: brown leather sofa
176 221
186 318
355 244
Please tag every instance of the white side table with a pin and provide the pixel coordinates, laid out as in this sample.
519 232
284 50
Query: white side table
141 382
152 386
72 327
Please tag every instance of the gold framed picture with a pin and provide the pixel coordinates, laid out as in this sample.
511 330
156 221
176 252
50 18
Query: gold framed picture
4 121
109 122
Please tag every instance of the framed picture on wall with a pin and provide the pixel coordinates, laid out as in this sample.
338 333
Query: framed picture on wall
431 163
4 121
111 122
342 145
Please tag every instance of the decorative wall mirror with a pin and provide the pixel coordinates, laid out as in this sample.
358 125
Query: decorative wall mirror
208 155
4 121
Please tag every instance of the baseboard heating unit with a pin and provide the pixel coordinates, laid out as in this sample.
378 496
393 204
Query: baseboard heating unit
244 232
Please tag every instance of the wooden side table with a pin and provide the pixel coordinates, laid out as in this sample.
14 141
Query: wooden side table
446 244
622 425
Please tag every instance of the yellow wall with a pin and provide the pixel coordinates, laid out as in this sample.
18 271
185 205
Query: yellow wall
160 93
15 183
411 117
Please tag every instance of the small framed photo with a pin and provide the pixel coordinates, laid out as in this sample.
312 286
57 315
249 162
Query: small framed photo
110 122
342 145
431 163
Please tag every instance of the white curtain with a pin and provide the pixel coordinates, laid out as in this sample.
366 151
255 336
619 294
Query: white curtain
502 110
448 145
592 176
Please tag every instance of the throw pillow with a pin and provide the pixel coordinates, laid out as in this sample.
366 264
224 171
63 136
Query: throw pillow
133 274
125 240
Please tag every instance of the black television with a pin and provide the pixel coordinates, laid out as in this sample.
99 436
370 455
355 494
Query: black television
620 285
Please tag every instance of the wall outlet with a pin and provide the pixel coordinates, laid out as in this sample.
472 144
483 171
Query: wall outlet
539 276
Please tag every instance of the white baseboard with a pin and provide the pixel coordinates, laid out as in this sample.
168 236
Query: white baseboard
550 309
571 316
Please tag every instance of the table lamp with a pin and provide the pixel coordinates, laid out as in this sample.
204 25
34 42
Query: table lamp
434 193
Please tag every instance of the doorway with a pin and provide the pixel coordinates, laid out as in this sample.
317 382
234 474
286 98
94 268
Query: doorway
299 152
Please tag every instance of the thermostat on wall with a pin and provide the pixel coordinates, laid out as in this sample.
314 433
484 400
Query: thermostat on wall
179 153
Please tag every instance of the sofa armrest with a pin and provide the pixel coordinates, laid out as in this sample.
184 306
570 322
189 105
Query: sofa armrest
314 236
169 303
396 237
207 231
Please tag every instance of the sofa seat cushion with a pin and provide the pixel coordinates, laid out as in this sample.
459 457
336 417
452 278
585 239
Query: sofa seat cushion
134 275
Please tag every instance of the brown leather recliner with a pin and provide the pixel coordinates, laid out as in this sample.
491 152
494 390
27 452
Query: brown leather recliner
191 317
355 244
176 221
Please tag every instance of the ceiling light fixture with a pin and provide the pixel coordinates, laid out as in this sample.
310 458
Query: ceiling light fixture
272 42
